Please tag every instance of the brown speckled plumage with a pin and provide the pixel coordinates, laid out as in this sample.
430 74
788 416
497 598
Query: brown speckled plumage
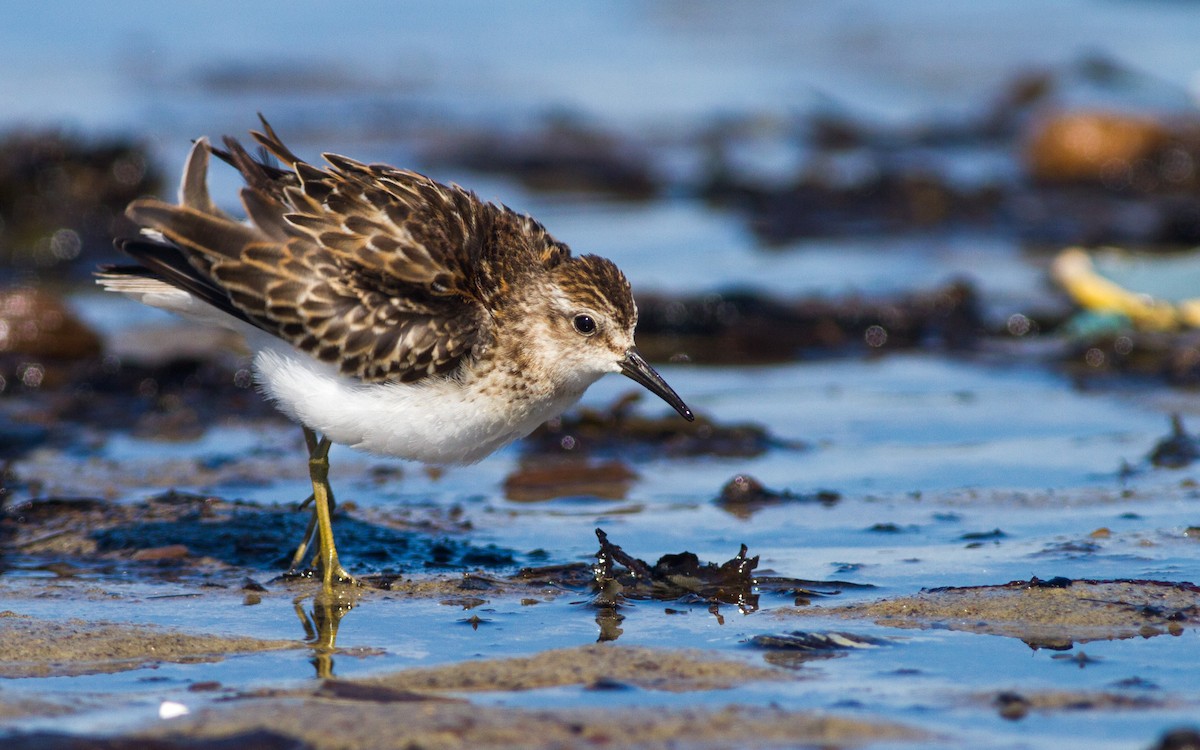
380 271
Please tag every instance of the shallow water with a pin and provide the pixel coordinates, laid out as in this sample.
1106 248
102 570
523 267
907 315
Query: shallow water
937 449
930 453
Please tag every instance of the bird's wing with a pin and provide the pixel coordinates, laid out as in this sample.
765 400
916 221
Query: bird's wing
381 272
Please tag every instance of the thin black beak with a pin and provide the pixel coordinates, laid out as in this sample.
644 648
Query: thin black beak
637 369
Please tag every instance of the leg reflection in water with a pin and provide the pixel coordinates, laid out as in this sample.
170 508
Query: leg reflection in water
321 623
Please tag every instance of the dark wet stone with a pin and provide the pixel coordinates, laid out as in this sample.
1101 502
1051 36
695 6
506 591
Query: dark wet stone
43 509
1071 549
1057 582
983 535
562 156
176 400
465 602
1183 738
609 684
345 690
261 739
746 327
890 200
490 556
1012 706
1178 450
1136 683
1169 356
743 488
576 576
475 582
62 198
744 495
793 650
799 640
619 432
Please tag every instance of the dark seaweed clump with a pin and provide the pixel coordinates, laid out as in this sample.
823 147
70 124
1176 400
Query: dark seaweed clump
63 197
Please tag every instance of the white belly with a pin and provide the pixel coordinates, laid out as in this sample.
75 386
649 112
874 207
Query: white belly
438 421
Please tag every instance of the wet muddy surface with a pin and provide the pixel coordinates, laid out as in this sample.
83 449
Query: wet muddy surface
1053 614
43 648
926 501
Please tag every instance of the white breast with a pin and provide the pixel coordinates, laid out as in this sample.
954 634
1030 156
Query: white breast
438 421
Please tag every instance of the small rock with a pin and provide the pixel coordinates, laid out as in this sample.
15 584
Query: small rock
744 495
37 324
169 552
545 479
1176 451
1012 706
1183 738
1090 146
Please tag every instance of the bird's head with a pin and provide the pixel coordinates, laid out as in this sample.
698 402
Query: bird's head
592 317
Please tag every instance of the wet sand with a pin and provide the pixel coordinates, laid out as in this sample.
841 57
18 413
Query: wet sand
437 706
1050 614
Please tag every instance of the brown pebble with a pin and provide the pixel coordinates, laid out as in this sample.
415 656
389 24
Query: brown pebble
1012 706
204 687
169 552
744 488
35 323
544 480
1089 146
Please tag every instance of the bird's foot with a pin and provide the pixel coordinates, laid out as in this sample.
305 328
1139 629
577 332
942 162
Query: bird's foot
338 576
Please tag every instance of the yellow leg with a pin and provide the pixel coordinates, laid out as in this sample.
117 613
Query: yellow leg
318 470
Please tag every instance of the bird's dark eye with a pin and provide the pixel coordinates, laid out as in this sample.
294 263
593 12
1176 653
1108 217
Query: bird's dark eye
584 324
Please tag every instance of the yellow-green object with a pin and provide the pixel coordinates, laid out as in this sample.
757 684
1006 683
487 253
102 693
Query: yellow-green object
1154 292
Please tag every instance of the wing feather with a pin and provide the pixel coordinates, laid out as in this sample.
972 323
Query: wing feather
380 271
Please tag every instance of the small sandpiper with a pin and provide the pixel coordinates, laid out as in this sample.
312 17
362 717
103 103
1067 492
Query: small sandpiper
385 311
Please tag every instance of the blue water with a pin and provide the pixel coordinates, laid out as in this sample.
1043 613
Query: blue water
145 63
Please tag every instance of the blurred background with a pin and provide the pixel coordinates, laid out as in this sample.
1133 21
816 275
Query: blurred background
800 179
800 147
